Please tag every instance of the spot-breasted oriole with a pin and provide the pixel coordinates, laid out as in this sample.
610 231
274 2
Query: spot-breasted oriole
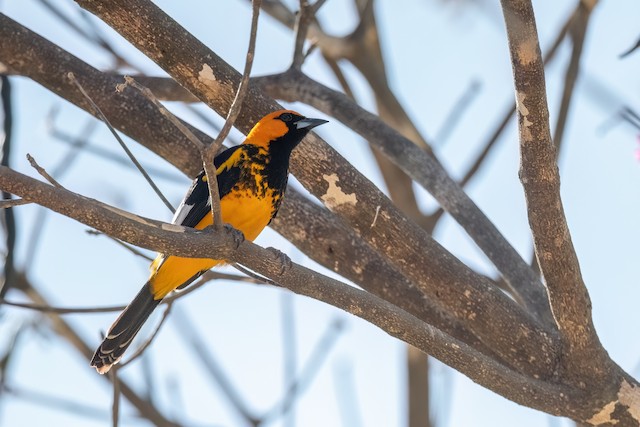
252 178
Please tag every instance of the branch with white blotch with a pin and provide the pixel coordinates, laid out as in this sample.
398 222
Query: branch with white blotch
183 241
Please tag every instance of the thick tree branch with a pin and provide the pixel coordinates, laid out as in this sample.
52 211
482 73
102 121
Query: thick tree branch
28 48
168 238
470 298
339 248
474 300
582 352
295 86
541 181
29 53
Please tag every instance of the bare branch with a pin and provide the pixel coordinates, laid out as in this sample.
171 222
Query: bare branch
506 117
183 242
9 221
541 182
316 165
130 81
63 310
305 16
213 367
9 203
115 407
578 32
54 401
121 142
210 152
463 102
426 171
297 387
62 328
42 172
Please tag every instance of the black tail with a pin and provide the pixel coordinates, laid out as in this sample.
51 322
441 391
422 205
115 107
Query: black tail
123 330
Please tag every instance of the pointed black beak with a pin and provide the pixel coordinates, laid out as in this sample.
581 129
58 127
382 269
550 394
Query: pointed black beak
308 124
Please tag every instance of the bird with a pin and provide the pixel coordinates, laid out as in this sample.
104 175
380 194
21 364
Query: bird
252 179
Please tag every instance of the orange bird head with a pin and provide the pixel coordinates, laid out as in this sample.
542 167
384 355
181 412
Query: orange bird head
281 130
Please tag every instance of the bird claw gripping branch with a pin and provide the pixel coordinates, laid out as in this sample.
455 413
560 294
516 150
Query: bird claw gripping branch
237 235
285 261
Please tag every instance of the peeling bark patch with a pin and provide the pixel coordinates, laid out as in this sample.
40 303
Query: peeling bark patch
206 75
334 196
524 113
527 51
628 396
173 227
127 215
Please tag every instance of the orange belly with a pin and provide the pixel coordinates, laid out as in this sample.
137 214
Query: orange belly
241 209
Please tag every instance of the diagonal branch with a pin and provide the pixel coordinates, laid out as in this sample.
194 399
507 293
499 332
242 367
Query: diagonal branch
578 31
294 85
541 182
168 238
63 328
470 298
209 153
8 217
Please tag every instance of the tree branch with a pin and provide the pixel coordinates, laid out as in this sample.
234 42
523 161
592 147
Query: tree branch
62 328
174 240
426 171
471 298
541 182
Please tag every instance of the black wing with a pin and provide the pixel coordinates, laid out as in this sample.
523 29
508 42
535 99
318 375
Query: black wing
196 204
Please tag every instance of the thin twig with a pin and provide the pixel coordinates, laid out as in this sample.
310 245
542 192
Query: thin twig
6 100
630 50
55 402
578 32
144 408
130 81
457 112
62 167
63 310
115 407
627 114
9 203
122 144
308 372
209 153
128 247
213 367
42 172
289 348
303 19
506 118
207 277
140 350
257 277
346 394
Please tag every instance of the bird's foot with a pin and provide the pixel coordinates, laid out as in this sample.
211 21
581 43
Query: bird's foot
285 261
237 235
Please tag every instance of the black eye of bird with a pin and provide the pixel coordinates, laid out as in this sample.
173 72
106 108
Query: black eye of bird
286 117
